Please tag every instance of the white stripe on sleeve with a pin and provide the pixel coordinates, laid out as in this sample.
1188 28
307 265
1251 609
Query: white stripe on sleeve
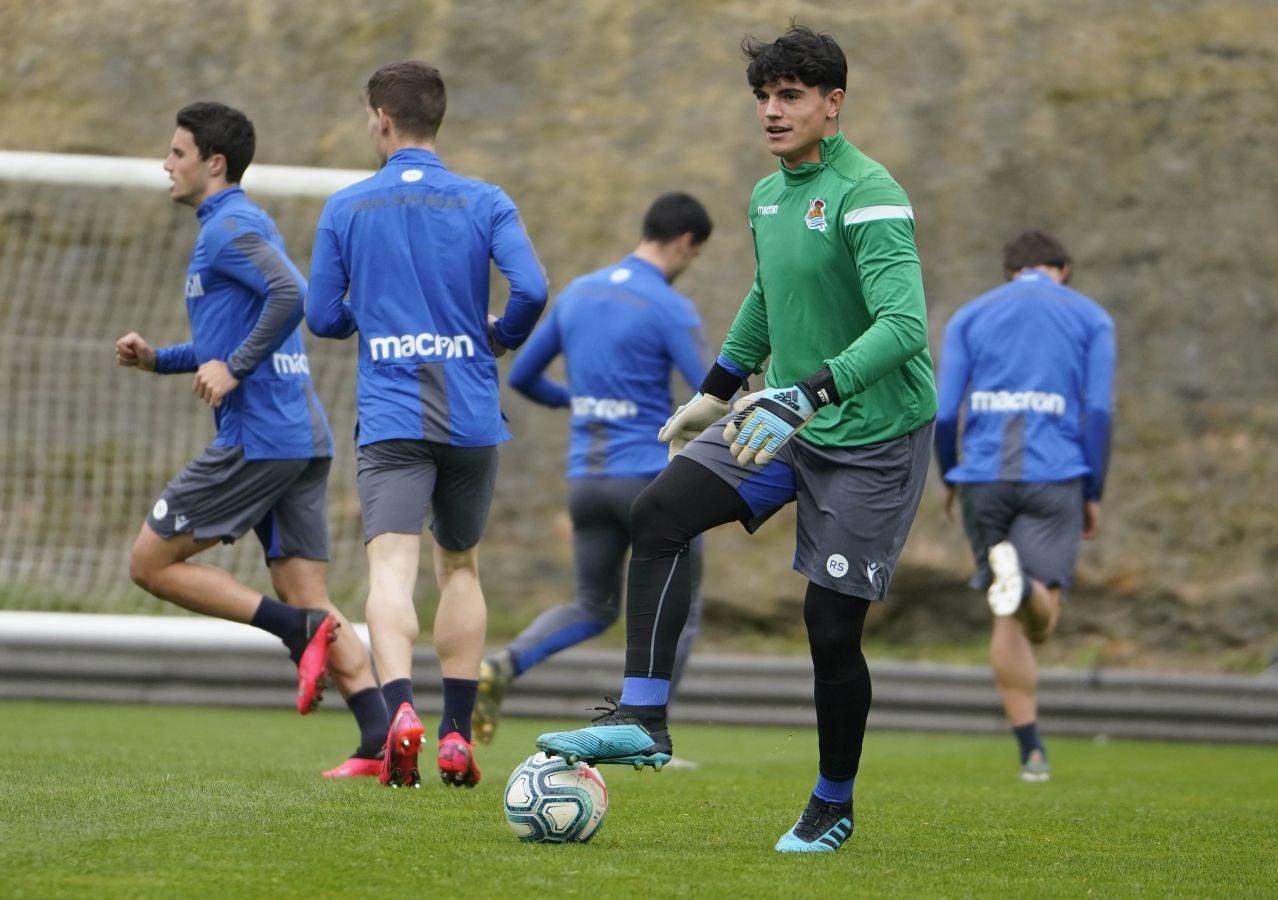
874 213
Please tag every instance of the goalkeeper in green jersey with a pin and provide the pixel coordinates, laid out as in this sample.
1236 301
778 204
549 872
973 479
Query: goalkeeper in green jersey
843 427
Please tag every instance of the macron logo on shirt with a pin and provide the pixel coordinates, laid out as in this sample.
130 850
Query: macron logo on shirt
1018 401
603 408
424 344
291 364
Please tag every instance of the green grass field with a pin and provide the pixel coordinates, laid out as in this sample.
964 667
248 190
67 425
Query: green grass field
119 801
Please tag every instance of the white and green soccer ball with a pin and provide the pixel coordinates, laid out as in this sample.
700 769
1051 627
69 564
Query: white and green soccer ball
549 801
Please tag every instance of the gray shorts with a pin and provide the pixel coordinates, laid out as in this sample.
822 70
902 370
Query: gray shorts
221 495
855 504
399 480
1043 520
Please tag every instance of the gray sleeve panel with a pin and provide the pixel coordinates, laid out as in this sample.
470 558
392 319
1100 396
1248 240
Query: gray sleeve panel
281 312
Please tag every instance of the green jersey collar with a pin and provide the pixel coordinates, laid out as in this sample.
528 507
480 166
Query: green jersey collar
832 148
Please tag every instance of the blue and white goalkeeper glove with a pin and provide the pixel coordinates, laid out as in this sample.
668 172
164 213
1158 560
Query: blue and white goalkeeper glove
767 419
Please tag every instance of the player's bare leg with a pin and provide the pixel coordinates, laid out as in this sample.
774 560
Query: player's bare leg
393 630
162 566
1016 671
304 583
461 623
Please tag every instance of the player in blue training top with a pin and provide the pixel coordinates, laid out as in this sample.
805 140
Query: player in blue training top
1031 366
622 330
267 469
412 245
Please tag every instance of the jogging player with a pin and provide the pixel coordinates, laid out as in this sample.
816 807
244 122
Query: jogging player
1031 364
621 330
412 246
267 469
837 303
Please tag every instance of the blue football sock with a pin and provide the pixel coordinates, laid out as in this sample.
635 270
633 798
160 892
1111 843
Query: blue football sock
833 791
278 618
1029 741
645 691
459 703
369 708
397 692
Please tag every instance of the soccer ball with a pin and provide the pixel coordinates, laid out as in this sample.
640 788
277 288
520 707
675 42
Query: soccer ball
549 801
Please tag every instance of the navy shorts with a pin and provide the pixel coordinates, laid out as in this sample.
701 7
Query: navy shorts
855 504
1042 519
220 495
400 480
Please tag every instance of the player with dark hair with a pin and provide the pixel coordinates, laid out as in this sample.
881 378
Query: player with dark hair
843 427
1031 364
412 245
621 330
267 469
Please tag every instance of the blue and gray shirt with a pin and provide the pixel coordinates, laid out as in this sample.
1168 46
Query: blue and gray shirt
622 330
1031 366
244 300
412 246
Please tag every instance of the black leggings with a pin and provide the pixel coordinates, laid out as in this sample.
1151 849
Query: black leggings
841 678
685 500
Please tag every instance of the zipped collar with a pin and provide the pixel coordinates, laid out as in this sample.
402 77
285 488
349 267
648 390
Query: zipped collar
832 148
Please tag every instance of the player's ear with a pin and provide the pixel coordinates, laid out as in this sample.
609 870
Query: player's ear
217 165
834 103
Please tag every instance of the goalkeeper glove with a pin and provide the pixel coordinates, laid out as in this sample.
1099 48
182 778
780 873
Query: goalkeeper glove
707 406
767 419
689 420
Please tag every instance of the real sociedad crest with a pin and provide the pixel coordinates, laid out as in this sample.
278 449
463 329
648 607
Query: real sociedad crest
815 217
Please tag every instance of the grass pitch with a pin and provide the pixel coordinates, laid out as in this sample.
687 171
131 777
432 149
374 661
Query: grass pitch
116 801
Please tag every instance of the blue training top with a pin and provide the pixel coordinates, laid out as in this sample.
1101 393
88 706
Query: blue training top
621 330
244 300
1032 364
412 244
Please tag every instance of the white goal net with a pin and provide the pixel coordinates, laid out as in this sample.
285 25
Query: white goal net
90 249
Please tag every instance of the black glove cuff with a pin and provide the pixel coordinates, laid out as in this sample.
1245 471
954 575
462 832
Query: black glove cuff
721 383
819 388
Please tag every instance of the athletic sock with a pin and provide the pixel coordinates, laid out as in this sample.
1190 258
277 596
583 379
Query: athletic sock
278 618
834 791
1029 741
369 708
459 704
397 693
645 691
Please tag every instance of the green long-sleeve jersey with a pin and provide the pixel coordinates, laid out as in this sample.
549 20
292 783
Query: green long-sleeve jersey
838 283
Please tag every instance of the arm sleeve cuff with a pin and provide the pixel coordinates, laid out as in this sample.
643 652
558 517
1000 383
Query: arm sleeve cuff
721 382
819 388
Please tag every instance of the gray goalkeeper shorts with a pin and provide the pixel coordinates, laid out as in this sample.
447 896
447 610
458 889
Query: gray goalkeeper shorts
220 495
400 480
855 504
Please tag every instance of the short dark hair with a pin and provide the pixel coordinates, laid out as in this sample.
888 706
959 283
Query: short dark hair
217 128
1034 248
675 214
412 93
801 54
